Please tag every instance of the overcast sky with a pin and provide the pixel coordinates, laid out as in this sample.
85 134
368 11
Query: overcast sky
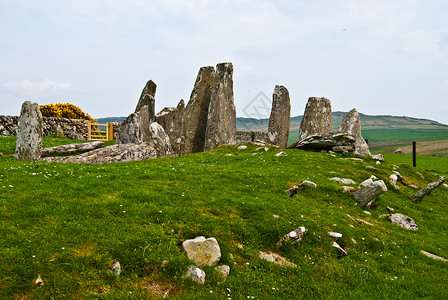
379 56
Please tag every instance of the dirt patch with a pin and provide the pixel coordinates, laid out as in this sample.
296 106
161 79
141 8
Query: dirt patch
438 148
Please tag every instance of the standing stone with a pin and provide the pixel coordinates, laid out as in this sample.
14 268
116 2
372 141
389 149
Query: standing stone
279 120
317 118
160 140
196 112
221 121
172 121
29 133
135 128
148 98
352 124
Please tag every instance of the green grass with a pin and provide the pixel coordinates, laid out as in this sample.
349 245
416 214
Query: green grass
431 163
382 135
69 222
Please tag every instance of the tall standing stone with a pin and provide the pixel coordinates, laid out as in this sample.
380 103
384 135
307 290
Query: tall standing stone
172 121
317 118
148 98
221 121
352 124
278 130
29 133
135 128
196 112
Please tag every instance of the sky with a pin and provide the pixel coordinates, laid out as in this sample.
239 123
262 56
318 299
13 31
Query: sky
381 57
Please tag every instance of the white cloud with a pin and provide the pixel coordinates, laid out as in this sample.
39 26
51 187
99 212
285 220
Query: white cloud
27 87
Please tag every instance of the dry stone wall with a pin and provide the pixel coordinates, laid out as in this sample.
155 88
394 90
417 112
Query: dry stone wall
246 136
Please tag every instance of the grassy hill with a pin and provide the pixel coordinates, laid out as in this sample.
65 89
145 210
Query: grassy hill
68 223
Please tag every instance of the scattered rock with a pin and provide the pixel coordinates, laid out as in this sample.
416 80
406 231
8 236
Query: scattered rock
70 148
403 221
360 221
281 154
398 151
371 168
317 118
445 185
58 131
434 256
348 188
204 252
116 268
308 184
378 157
294 236
370 192
278 128
390 209
277 259
418 197
38 281
336 142
367 212
29 133
242 147
335 234
195 274
224 270
342 180
341 251
352 124
295 189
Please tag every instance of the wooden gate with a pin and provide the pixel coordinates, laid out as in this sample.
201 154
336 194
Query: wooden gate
97 133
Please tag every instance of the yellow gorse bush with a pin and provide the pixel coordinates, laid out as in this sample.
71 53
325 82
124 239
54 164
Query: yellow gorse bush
63 110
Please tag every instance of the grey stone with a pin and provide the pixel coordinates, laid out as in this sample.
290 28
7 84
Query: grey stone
276 259
327 142
403 221
116 268
317 118
378 157
335 234
70 148
135 128
221 120
59 131
342 180
160 140
352 124
341 251
148 98
172 121
204 252
224 270
433 256
294 236
278 129
196 111
370 192
195 274
29 133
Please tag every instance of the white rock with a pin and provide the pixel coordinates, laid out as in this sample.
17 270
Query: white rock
335 234
342 180
339 248
281 154
195 274
243 147
204 252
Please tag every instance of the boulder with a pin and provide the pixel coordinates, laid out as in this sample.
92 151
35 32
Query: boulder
148 98
370 192
221 120
403 221
195 274
278 130
204 252
70 148
135 128
317 118
294 236
196 111
160 140
327 142
352 124
172 121
29 133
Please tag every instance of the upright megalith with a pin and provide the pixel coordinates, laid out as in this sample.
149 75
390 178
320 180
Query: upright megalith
221 121
196 112
148 98
29 133
351 124
135 128
317 118
172 121
160 140
278 130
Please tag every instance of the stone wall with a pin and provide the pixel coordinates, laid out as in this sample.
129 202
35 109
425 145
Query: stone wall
8 125
246 136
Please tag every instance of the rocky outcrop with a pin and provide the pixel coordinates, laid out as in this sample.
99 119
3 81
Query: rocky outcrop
336 142
172 121
71 148
204 252
148 98
29 133
196 111
278 129
317 118
351 124
110 154
135 128
221 121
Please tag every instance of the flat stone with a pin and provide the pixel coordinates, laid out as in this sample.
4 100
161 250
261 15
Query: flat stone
335 234
342 180
403 221
276 259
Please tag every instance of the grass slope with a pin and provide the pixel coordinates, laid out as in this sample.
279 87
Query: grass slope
68 223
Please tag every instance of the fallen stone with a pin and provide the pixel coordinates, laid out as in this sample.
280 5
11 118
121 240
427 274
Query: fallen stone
70 148
352 124
370 192
116 268
366 182
335 234
276 259
278 128
242 147
204 252
430 255
29 133
224 271
398 151
281 154
403 221
342 180
308 184
195 274
317 118
418 197
378 157
341 251
294 236
327 142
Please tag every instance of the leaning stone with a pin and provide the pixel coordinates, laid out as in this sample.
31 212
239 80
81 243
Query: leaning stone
195 274
172 121
135 128
418 197
29 133
221 120
294 236
70 148
278 128
224 270
370 192
317 118
403 221
430 255
204 252
160 140
341 251
342 180
352 124
276 259
147 98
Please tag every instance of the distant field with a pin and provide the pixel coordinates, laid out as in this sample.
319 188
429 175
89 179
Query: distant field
429 163
382 135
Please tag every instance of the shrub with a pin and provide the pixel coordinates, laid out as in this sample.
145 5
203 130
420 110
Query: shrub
64 110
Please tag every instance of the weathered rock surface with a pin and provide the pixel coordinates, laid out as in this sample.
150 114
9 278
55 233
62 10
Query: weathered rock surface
342 180
293 236
224 270
276 259
335 234
417 197
278 129
29 133
148 98
341 251
370 192
172 121
196 111
195 274
352 124
221 120
317 118
336 142
110 154
433 256
135 128
403 221
8 125
70 148
204 252
160 140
